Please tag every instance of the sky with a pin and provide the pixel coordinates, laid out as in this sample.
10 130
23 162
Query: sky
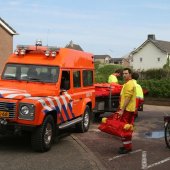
113 27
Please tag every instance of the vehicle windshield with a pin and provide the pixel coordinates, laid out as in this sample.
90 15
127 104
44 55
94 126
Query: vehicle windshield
36 73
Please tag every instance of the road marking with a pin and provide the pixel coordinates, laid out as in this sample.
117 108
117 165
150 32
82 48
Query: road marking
144 160
120 156
158 163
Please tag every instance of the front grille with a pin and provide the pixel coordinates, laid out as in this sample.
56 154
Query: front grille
8 107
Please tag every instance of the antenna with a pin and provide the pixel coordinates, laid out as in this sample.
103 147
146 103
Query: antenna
47 36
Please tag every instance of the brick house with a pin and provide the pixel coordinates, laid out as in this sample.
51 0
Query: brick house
6 42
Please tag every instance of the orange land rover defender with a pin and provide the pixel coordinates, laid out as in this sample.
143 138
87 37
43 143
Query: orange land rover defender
45 89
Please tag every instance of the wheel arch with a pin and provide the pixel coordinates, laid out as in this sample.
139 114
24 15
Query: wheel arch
53 113
86 102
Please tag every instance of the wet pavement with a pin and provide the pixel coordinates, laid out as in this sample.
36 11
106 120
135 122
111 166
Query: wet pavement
156 134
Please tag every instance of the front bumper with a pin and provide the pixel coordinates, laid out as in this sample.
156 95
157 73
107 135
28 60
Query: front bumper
15 128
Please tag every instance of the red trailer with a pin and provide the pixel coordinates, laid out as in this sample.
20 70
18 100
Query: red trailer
107 97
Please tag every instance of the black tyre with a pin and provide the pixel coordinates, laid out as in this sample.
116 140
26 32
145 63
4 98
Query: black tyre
42 138
83 126
167 134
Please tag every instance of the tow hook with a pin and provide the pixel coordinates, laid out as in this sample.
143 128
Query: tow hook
3 122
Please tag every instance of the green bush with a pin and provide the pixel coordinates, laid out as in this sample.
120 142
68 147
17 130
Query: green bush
106 70
103 71
157 88
155 74
156 81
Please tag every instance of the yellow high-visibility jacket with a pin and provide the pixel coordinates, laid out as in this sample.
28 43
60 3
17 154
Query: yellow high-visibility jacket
139 91
112 79
128 91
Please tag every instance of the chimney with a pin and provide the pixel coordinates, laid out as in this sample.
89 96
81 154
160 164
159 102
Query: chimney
71 43
151 37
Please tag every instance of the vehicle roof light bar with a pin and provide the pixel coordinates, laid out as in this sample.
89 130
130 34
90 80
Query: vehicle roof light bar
48 50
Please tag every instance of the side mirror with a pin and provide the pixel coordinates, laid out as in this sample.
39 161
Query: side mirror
62 91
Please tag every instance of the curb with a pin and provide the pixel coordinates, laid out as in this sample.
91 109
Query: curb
97 165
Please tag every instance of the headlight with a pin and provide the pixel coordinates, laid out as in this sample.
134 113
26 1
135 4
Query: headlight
26 111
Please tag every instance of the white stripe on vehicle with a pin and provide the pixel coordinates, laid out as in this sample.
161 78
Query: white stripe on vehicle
51 102
44 105
18 94
69 97
58 102
6 91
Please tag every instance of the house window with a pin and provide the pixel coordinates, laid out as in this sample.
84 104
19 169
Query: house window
158 59
140 59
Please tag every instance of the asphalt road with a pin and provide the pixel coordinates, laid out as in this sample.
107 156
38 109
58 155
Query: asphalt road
94 150
67 154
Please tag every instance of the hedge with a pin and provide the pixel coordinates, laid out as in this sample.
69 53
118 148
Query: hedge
157 88
156 81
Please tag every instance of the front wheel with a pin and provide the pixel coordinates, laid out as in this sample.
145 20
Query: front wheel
167 134
42 138
83 126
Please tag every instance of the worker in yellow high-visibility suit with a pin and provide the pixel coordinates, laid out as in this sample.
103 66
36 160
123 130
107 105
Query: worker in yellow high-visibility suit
113 77
127 107
139 93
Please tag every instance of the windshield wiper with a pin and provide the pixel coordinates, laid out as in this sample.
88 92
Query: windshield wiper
10 77
34 79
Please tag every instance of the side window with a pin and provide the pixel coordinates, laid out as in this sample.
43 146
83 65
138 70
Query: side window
87 77
65 80
76 79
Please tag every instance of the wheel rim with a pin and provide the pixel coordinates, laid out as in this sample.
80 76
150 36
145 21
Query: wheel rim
168 133
86 119
48 134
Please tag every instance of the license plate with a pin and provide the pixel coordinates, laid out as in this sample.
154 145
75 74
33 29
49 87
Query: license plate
4 114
